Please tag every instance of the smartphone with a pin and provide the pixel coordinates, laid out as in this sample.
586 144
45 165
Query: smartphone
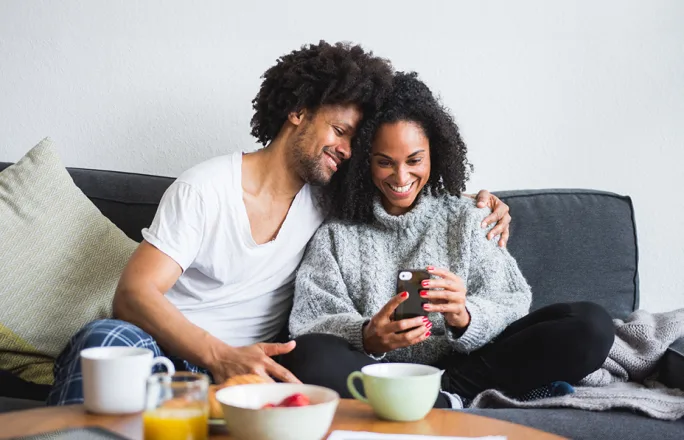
410 281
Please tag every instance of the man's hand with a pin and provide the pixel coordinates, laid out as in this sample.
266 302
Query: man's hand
450 300
252 359
499 215
380 334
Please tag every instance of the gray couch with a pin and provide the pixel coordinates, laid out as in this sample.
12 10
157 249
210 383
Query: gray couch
570 244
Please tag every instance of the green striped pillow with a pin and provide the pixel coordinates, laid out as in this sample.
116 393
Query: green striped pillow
60 261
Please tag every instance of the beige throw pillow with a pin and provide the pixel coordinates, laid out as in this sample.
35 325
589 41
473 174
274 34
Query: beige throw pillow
60 261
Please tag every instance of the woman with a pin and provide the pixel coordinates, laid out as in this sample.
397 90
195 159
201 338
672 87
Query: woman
402 210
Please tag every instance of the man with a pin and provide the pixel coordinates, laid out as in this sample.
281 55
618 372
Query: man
212 281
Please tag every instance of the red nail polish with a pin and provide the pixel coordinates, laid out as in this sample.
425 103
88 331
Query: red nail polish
423 293
425 319
404 295
426 306
425 283
431 268
428 334
428 326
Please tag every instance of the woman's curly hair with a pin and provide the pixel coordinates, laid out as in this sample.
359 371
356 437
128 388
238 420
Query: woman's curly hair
317 75
349 196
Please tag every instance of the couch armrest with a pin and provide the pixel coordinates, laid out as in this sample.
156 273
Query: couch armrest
672 367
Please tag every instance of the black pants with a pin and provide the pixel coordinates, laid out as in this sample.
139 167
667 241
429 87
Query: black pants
561 342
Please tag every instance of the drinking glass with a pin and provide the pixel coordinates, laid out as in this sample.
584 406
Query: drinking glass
176 407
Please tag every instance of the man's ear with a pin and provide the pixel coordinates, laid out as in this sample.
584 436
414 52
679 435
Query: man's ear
296 118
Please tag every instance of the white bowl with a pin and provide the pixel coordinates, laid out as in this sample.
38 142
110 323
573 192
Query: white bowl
247 421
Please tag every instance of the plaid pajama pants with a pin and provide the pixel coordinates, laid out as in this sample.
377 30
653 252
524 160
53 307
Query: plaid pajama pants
68 386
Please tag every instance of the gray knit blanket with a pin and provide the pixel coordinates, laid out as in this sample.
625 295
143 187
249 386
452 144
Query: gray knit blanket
628 378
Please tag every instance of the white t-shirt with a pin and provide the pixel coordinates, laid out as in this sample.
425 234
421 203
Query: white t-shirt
233 288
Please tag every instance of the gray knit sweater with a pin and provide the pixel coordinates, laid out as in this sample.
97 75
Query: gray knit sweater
349 273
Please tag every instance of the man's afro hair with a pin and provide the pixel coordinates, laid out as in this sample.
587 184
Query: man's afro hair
316 75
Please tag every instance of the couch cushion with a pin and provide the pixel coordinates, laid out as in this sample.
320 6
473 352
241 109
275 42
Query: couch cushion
8 404
61 261
589 425
13 387
575 245
672 366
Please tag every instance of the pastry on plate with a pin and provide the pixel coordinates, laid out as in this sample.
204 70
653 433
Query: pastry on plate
215 410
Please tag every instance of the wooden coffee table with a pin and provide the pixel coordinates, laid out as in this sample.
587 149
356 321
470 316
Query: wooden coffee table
351 415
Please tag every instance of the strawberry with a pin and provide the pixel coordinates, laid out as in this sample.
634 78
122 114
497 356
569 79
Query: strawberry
297 399
268 405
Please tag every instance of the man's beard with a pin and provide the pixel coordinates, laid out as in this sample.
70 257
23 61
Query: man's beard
309 168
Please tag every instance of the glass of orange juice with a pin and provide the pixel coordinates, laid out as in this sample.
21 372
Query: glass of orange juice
176 407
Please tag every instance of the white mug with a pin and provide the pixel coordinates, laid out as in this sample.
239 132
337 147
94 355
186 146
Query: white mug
114 378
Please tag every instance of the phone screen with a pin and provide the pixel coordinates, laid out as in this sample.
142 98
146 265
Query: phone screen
409 281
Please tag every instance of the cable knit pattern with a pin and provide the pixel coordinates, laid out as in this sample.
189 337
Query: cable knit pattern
640 343
349 273
627 378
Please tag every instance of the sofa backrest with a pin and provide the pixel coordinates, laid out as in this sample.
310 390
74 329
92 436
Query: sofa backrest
576 245
129 200
571 245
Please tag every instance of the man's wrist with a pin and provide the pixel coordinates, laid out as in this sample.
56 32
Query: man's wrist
217 351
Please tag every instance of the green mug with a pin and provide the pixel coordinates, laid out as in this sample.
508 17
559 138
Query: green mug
395 391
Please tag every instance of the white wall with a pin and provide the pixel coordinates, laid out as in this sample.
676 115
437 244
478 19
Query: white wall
548 94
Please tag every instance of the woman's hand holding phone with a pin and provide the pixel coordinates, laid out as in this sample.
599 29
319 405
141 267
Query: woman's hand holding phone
380 334
450 301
